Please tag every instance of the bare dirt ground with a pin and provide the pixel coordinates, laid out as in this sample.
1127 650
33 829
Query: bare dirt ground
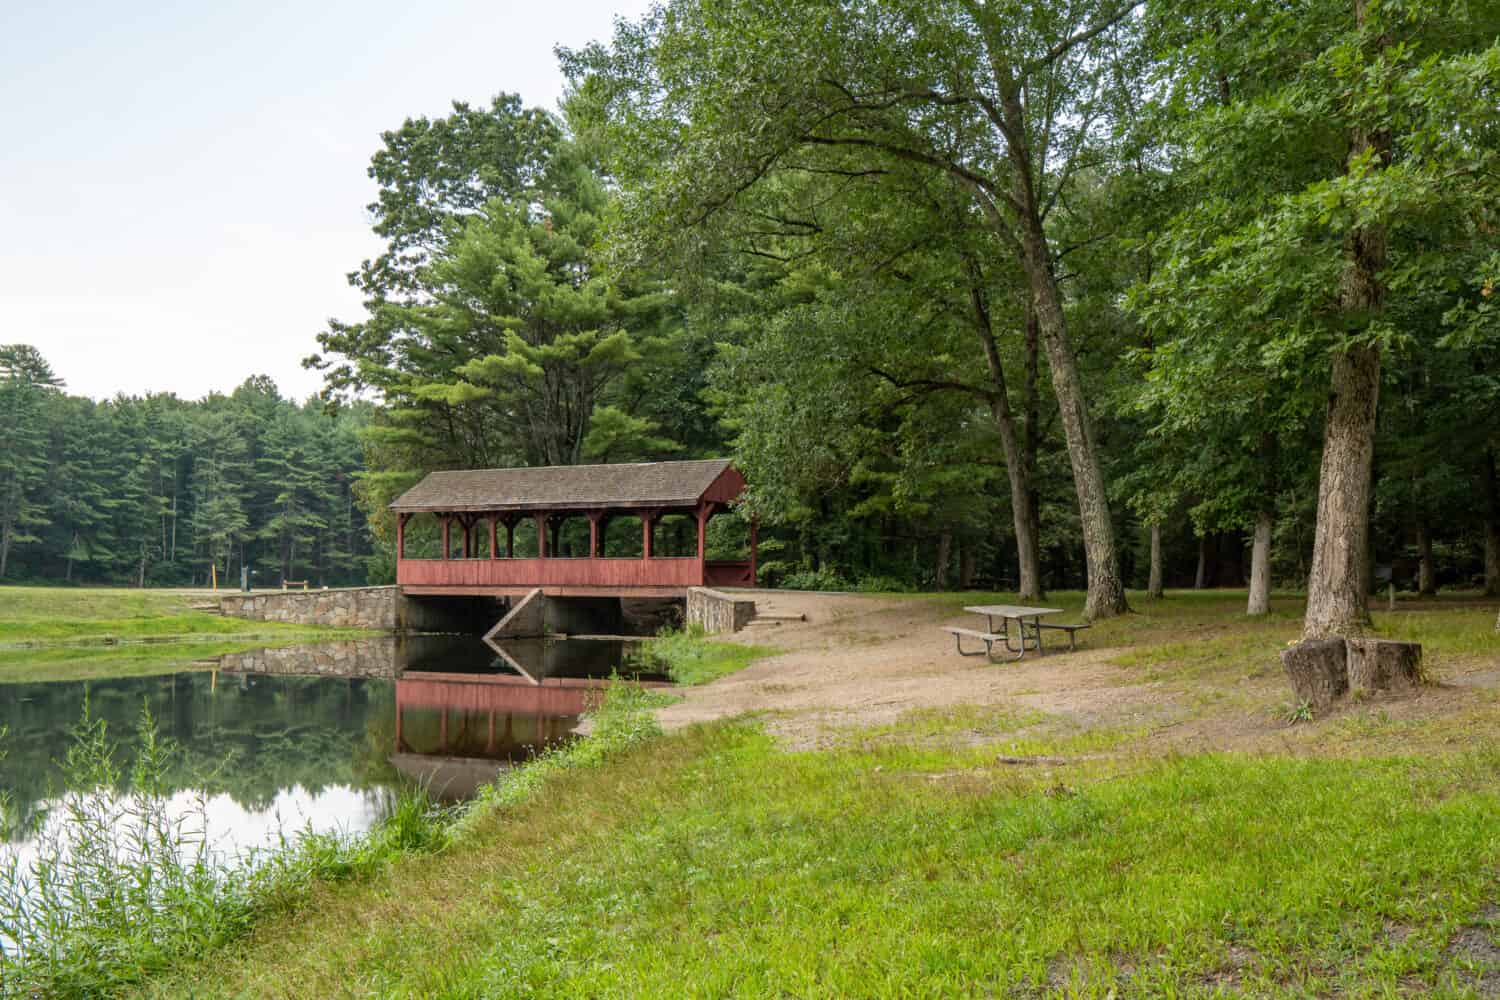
861 661
866 661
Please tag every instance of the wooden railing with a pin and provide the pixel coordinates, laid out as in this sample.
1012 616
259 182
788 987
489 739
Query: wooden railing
622 573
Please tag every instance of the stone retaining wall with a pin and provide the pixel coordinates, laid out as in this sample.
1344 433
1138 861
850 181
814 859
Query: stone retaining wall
354 607
718 612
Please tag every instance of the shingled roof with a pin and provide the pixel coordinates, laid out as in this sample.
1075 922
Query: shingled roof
565 487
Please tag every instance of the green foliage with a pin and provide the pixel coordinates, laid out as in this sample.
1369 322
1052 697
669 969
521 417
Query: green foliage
825 579
493 333
158 491
689 657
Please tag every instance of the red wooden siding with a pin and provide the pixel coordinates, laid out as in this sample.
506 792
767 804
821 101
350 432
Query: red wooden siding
623 573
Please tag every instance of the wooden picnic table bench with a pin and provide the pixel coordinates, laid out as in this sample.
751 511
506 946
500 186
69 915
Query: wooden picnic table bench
1072 631
988 638
1028 634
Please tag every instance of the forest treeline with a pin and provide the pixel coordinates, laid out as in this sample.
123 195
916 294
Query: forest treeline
158 491
1034 295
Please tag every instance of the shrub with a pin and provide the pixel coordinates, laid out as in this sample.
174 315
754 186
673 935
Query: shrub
821 579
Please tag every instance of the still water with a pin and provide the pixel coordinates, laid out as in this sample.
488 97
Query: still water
317 738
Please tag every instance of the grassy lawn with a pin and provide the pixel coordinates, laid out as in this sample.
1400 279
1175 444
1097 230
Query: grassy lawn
920 859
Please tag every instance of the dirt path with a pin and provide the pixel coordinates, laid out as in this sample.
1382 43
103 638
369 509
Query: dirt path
864 661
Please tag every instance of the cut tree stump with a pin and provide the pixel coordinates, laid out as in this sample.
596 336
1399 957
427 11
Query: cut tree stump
1383 665
1318 670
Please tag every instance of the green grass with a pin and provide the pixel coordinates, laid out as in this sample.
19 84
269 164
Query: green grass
712 863
689 657
52 614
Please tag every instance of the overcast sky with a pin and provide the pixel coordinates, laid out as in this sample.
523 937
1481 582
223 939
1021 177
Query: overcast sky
182 185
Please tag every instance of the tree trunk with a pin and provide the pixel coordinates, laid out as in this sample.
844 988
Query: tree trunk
1336 585
1318 670
944 556
1260 565
1031 437
1341 542
1106 587
966 560
1154 587
1201 580
1383 665
1491 527
1426 578
1019 467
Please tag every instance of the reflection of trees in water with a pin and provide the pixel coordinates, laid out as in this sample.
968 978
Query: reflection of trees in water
242 735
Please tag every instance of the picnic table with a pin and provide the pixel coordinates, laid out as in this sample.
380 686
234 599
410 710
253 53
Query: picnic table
1028 633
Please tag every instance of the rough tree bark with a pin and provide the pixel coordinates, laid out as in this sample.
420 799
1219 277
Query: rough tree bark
1201 579
1383 665
1154 587
1336 585
1318 670
1426 578
1260 566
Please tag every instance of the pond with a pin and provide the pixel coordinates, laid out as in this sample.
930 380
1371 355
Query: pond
316 737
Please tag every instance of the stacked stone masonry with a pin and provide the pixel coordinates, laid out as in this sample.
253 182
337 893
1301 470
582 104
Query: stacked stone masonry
718 612
357 607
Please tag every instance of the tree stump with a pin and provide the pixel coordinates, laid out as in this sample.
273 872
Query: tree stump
1318 670
1383 665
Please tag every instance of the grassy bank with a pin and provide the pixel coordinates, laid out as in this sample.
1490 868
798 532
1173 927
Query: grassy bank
691 657
714 864
50 633
54 615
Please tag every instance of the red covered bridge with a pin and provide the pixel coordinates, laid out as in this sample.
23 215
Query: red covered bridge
573 531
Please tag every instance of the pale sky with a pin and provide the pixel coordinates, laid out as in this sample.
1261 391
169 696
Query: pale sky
182 185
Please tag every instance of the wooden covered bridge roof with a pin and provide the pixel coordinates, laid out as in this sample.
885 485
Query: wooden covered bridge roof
575 487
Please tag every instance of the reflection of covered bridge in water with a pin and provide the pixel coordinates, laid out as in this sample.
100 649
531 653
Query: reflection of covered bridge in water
567 531
483 723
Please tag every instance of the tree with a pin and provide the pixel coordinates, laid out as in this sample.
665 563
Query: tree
706 101
1330 145
26 382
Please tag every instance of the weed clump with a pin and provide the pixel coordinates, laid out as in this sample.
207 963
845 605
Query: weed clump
690 657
